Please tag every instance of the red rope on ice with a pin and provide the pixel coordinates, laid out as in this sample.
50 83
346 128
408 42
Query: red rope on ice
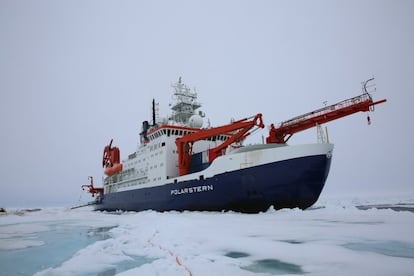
177 259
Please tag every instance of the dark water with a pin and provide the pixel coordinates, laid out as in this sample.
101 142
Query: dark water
271 266
66 241
388 248
236 254
274 267
395 207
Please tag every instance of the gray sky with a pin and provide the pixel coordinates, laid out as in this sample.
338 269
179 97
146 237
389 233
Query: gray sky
74 74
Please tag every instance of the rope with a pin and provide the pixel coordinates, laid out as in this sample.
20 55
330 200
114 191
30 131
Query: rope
80 196
177 259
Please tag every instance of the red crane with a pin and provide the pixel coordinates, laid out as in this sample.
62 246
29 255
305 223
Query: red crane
362 103
236 131
92 189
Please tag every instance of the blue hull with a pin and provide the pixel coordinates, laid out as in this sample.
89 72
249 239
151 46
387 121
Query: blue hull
293 183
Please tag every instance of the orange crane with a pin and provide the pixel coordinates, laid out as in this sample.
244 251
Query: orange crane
92 189
362 103
236 131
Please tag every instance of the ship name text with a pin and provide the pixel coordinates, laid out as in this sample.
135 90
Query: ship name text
190 190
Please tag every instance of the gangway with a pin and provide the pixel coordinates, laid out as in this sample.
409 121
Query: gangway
283 132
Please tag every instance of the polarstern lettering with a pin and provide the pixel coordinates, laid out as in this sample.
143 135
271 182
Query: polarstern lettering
190 190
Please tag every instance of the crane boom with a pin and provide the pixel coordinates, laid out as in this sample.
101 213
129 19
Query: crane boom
237 131
286 129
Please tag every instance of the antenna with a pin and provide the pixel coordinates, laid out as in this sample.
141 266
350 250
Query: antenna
153 112
365 85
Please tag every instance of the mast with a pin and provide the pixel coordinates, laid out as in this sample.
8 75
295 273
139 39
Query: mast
153 112
185 103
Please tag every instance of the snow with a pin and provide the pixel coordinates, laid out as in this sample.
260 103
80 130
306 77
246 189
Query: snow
333 238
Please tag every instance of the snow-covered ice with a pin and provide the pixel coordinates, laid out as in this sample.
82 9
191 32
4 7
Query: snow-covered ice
336 239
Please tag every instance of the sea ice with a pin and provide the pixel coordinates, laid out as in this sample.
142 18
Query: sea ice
329 239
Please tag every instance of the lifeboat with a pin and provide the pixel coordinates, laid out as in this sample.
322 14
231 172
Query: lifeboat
116 168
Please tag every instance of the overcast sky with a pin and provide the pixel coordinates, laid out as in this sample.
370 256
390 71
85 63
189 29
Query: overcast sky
74 74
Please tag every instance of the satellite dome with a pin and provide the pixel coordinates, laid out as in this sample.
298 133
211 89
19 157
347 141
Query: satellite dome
195 121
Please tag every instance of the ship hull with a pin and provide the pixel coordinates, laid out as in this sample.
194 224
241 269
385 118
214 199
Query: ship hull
289 183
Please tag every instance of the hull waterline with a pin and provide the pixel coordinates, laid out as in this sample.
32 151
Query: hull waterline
293 183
